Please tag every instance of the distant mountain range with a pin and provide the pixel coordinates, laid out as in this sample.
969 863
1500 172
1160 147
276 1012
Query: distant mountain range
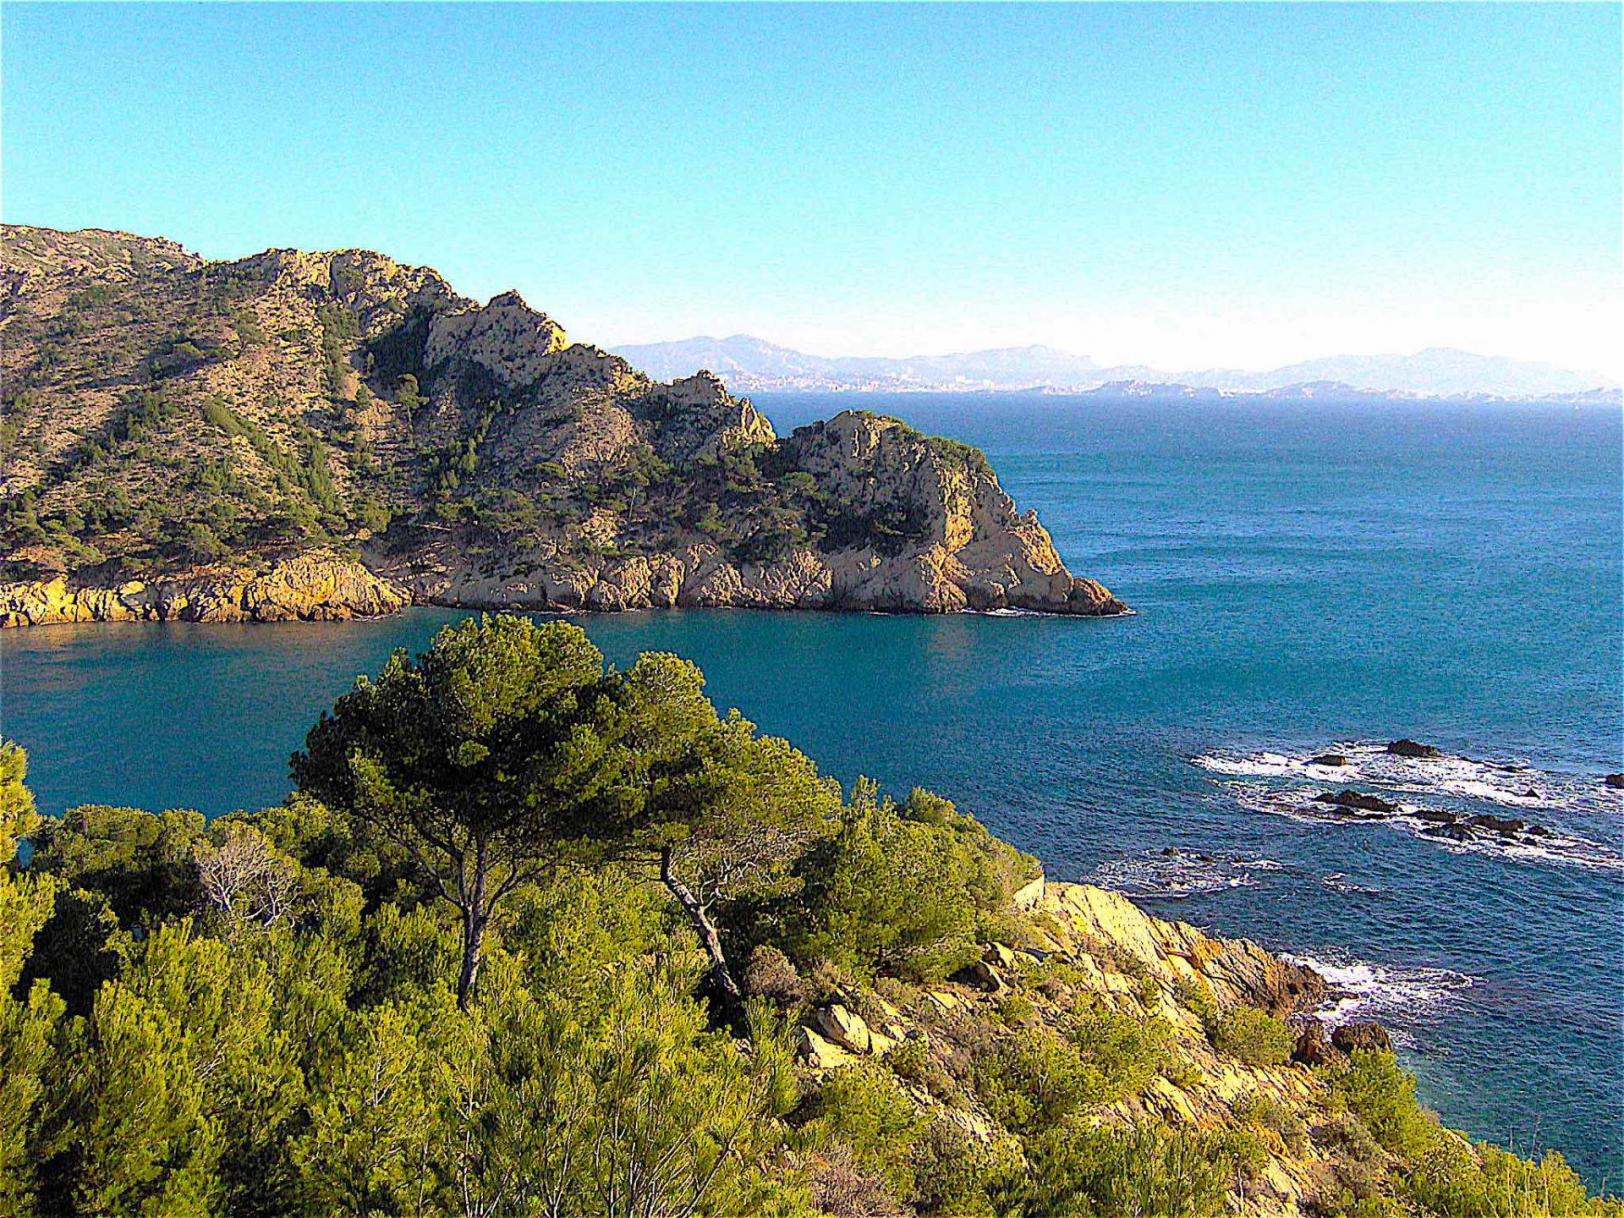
748 364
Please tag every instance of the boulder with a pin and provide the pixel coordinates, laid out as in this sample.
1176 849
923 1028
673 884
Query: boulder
1355 799
980 976
819 1053
1313 1048
1288 988
1413 748
844 1027
1364 1035
1616 781
1335 760
1436 816
1000 955
1453 831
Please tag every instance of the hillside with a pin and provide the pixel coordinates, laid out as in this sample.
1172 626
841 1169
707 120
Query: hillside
323 434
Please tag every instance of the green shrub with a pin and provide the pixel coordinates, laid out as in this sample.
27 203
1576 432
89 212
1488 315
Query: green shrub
902 888
956 1174
865 1108
1255 1037
1264 1111
1034 1079
913 1062
1127 1052
1382 1095
1195 995
1016 1010
1141 1170
1455 1180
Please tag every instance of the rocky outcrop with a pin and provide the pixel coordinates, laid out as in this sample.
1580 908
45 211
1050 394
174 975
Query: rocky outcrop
1356 1037
967 548
1080 917
700 576
1095 952
310 587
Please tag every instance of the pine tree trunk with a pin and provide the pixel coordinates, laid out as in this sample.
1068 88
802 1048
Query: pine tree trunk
473 934
731 996
474 918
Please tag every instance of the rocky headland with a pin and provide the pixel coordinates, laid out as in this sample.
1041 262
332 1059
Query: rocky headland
300 435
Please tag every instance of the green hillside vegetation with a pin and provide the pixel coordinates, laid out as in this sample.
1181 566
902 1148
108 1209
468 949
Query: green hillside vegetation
327 422
535 936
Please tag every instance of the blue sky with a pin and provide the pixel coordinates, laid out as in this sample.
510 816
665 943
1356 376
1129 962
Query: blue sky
1181 185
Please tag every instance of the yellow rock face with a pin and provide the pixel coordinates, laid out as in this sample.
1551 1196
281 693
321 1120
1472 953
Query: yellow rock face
310 587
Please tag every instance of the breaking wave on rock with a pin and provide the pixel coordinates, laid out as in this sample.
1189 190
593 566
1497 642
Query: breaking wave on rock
1507 809
1396 996
1176 872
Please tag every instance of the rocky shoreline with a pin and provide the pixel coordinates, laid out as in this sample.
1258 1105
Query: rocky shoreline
1137 965
307 588
1506 808
323 586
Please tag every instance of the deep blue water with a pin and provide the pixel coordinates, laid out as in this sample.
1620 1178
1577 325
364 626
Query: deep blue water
1305 573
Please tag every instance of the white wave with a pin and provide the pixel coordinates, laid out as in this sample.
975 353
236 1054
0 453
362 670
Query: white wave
1512 783
1179 873
1338 881
1394 994
1573 810
1257 765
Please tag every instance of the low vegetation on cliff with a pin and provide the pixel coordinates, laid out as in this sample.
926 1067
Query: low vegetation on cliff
534 936
167 418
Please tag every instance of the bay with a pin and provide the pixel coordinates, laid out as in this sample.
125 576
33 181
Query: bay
1305 574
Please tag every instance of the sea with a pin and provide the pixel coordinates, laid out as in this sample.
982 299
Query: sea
1307 576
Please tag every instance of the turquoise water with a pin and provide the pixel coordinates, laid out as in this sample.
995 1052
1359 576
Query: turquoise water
1305 574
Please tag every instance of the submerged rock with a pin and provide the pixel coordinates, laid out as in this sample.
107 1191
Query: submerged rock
1436 816
1413 748
1454 831
1498 824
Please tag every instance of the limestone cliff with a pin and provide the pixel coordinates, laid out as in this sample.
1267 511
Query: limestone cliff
165 415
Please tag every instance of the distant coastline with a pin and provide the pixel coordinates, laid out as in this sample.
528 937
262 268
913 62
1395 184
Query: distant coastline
753 365
1171 392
